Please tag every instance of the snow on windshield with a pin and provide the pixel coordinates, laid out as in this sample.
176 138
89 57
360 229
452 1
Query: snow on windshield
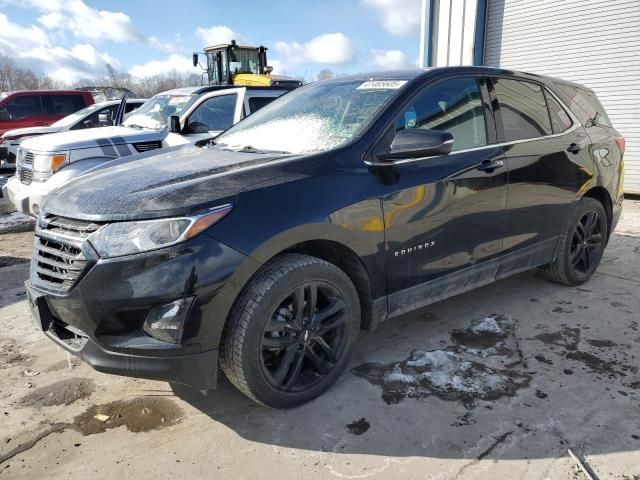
154 113
314 118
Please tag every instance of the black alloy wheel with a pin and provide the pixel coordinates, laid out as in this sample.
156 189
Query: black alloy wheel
580 245
290 333
304 338
587 242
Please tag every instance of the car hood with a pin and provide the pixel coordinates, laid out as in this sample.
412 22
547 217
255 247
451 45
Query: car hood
31 131
177 182
90 137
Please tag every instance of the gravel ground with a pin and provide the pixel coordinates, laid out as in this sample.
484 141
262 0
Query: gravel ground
497 383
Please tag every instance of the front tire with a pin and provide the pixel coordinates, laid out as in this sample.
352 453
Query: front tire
581 245
290 333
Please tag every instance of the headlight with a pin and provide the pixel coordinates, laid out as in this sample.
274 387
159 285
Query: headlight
48 162
126 238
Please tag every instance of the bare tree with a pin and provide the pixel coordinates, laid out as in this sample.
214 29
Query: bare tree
325 74
14 78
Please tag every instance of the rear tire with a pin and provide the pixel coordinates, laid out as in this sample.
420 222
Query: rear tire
290 333
581 245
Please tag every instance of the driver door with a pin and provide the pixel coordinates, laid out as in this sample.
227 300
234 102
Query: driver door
215 112
444 215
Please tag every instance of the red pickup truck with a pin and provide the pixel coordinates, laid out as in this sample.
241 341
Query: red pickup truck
31 108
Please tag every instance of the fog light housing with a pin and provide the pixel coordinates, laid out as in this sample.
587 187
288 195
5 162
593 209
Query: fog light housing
165 322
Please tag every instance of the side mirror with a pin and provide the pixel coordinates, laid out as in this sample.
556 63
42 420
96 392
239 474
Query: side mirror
174 124
104 119
268 69
195 60
419 142
4 114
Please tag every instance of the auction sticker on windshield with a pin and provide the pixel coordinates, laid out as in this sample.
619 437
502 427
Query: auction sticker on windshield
382 85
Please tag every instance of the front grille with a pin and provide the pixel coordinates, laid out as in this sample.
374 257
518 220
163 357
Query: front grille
146 146
26 167
69 227
58 259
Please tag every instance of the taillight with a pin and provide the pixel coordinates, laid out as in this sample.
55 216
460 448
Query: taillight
621 143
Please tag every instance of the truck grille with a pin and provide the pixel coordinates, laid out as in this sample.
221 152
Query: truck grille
146 146
58 261
26 168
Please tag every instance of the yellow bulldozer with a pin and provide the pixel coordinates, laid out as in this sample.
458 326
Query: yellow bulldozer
233 64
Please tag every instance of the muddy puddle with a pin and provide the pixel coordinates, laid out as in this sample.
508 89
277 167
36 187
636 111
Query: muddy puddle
137 415
567 338
456 372
358 427
64 392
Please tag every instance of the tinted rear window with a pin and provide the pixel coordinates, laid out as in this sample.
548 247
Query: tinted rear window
63 104
24 106
523 109
256 103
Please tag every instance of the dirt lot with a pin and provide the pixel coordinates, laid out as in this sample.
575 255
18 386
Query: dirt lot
497 383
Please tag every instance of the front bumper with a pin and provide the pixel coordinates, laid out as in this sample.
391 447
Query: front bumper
27 199
100 318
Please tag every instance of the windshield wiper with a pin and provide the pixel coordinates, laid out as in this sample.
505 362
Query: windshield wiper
251 149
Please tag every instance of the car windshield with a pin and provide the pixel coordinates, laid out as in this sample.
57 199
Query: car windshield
77 116
313 118
154 113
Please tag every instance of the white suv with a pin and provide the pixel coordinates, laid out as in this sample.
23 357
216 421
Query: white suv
194 113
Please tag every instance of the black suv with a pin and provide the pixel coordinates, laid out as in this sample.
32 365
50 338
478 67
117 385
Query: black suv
337 206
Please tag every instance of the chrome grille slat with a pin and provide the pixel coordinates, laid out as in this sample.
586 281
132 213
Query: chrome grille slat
58 260
26 174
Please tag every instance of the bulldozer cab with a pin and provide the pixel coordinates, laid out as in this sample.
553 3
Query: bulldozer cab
233 64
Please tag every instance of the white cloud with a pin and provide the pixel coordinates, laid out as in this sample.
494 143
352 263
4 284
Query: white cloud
85 22
156 43
390 59
398 17
327 49
32 47
178 63
217 34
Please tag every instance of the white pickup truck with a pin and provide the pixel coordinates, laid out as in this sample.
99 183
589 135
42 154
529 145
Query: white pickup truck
175 117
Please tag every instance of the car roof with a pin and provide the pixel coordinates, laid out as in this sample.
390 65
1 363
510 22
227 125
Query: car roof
415 73
46 92
213 88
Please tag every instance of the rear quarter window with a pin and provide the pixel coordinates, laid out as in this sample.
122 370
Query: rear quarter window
560 120
523 109
586 105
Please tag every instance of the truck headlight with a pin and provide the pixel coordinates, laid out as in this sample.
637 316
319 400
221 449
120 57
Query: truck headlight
48 162
127 238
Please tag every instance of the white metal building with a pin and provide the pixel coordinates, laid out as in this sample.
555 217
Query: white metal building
592 42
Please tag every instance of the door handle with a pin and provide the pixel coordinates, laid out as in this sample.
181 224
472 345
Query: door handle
490 165
574 148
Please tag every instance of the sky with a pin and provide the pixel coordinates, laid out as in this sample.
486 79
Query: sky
75 39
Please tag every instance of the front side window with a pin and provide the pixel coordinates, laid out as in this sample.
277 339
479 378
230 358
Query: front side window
214 114
523 109
100 118
27 106
560 120
314 118
453 106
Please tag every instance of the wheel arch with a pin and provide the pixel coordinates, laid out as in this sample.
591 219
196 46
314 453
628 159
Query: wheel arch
602 195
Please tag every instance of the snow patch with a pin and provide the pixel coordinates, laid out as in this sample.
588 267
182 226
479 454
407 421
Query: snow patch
14 221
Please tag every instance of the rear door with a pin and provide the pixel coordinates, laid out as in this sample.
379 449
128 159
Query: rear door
444 215
547 154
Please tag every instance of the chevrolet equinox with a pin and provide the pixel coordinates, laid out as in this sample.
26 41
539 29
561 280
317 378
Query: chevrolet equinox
340 205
